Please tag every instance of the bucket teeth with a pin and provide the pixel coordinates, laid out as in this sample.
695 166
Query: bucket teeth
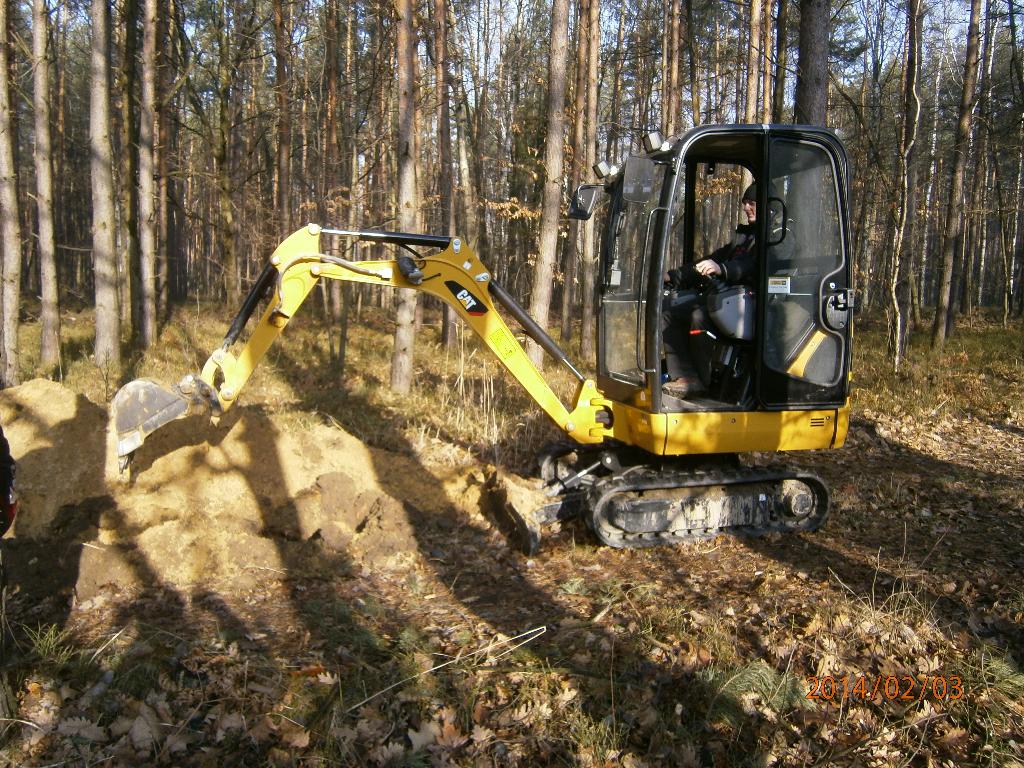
141 407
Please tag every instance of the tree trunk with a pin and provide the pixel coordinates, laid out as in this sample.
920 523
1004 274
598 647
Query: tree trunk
931 186
570 251
1005 240
977 212
753 61
691 54
284 119
1016 65
781 51
766 62
467 187
330 168
147 171
331 148
907 196
10 220
405 331
1016 243
444 141
49 342
589 262
171 272
128 252
812 63
108 321
226 241
540 300
954 214
672 98
611 147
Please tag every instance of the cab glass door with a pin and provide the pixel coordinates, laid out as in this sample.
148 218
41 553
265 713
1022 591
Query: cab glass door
806 281
624 273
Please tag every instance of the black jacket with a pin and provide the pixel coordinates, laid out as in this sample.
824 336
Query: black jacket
738 257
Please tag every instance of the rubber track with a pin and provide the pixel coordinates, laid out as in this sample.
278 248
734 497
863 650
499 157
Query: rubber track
648 478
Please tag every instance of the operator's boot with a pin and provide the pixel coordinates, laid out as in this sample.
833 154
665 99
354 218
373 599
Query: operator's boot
687 384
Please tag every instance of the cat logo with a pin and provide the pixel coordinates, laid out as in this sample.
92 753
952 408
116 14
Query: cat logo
468 300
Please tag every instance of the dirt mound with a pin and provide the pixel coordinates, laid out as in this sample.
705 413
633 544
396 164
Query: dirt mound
211 502
57 438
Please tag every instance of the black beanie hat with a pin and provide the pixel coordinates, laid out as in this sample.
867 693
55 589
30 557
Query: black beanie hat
750 193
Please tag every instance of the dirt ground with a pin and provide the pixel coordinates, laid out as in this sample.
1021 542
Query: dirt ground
250 568
205 503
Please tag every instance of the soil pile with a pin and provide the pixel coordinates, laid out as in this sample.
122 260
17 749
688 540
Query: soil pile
213 502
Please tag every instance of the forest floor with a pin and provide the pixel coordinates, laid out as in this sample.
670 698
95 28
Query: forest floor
318 579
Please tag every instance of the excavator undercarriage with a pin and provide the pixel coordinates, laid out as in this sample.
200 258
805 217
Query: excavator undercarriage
630 499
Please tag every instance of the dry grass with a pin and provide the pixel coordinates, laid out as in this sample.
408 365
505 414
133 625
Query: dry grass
979 372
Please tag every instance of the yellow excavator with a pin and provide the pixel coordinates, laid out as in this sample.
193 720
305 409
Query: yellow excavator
642 464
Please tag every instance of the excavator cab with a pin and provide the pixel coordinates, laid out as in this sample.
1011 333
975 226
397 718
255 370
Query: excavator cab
775 361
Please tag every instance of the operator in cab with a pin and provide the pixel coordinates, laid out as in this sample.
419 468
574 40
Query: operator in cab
686 328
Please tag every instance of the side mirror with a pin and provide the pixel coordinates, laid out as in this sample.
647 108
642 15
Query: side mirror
776 213
584 201
638 179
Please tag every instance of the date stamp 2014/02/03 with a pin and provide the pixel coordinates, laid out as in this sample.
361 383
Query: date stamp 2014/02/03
888 687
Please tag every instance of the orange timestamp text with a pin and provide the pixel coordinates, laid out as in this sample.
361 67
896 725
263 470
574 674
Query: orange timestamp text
887 687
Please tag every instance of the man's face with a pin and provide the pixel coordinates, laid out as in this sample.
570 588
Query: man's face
750 211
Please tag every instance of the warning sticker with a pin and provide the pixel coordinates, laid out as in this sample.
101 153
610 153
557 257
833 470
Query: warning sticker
778 285
503 344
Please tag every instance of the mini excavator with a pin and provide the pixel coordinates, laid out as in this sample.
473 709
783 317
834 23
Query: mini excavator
642 467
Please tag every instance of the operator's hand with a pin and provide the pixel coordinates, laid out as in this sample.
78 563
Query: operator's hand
707 268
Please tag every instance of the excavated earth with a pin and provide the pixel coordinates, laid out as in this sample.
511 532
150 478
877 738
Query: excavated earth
223 504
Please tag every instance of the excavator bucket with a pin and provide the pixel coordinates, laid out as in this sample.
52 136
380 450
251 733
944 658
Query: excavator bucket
522 509
141 407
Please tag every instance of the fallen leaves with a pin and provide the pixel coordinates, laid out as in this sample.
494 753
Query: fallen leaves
627 678
83 728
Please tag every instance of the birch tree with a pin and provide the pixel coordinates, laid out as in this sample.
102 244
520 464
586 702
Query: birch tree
906 181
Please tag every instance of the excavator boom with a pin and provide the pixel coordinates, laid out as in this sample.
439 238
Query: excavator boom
454 274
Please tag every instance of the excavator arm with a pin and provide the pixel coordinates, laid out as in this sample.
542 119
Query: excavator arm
454 274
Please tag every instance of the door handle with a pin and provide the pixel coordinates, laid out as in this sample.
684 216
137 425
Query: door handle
837 308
